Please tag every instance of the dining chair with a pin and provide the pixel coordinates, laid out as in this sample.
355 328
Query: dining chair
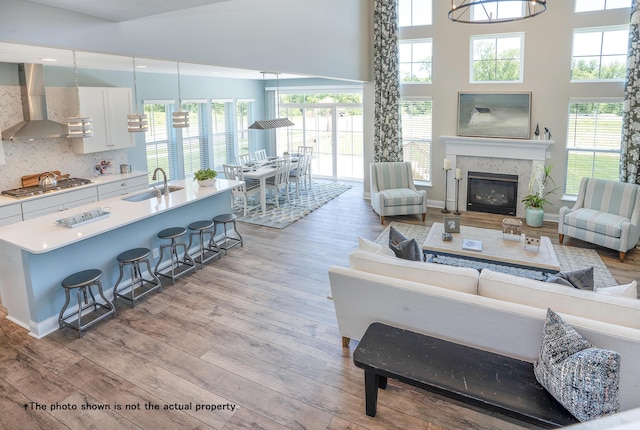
260 155
281 180
308 151
243 191
243 159
297 175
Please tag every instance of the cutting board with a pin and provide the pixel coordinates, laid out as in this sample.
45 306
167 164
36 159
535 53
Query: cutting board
34 180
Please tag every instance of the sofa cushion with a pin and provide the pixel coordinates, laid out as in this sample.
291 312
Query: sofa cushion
401 197
407 249
629 290
367 245
582 378
461 279
539 294
594 220
581 279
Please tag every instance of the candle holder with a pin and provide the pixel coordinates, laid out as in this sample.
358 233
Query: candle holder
457 212
446 193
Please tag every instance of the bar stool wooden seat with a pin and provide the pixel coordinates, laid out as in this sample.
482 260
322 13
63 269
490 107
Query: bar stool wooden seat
139 285
228 241
82 283
206 250
177 267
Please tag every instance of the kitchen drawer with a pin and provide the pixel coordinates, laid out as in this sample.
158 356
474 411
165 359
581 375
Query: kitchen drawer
120 188
10 214
58 202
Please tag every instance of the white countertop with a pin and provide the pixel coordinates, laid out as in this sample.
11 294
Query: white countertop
42 234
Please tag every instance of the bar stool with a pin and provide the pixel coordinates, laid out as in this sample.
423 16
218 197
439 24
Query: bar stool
82 282
229 241
173 233
133 258
200 229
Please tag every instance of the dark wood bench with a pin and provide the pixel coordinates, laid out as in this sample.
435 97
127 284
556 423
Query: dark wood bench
473 376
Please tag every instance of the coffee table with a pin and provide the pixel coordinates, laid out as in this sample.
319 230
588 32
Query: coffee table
497 248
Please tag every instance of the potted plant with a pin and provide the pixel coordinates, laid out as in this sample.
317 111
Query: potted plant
535 201
205 177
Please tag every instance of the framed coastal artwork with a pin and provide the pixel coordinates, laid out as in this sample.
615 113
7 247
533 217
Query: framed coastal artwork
503 115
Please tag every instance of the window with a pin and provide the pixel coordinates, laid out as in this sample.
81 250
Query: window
416 136
497 10
593 141
590 5
244 118
195 151
497 58
599 54
159 138
222 126
415 60
414 12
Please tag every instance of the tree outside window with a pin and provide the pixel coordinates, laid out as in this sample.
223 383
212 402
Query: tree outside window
599 54
416 60
497 58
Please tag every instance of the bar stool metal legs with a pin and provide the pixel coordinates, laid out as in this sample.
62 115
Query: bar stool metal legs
229 241
139 285
178 267
82 282
206 251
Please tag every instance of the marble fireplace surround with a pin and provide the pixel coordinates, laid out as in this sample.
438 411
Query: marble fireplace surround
492 155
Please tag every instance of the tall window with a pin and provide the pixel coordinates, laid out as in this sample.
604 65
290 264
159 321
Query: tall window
222 126
498 10
415 60
414 12
195 150
417 126
599 54
244 118
593 141
159 138
497 58
590 5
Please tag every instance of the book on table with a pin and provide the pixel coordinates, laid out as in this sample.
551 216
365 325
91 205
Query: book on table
472 245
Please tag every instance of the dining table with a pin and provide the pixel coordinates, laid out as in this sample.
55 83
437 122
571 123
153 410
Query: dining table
262 172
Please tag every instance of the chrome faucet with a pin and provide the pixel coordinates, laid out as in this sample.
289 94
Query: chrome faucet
164 182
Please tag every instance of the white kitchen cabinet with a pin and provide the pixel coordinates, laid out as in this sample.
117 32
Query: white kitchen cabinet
122 187
109 107
60 201
10 214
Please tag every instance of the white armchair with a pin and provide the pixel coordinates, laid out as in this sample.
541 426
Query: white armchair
393 191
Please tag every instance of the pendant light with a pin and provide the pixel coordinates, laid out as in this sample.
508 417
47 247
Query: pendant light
180 118
268 124
136 122
79 125
462 11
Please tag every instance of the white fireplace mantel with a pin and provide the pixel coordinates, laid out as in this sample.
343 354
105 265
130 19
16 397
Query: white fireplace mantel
521 149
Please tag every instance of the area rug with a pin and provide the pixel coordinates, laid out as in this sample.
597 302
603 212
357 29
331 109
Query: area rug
299 207
569 257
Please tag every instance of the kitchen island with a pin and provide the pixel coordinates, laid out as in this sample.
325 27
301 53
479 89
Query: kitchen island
35 255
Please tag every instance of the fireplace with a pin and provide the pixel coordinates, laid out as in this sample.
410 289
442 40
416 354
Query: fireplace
492 192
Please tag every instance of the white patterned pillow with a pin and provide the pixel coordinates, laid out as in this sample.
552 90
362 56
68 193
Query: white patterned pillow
582 378
629 290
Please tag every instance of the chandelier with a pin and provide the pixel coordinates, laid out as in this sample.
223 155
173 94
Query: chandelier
494 11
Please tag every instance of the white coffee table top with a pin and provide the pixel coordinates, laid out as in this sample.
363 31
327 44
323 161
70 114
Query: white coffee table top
496 247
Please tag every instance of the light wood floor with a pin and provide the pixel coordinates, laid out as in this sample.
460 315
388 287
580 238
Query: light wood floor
254 330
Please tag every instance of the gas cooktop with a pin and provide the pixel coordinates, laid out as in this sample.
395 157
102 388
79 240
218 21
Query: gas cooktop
62 184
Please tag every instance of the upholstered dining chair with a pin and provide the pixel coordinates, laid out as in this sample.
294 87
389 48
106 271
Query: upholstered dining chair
606 213
280 181
260 155
244 191
393 191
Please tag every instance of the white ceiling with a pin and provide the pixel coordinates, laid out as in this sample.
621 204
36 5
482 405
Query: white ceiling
122 10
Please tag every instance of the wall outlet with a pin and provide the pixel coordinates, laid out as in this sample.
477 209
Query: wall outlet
155 252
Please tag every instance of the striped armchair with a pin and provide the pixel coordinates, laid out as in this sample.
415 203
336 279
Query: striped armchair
606 213
393 191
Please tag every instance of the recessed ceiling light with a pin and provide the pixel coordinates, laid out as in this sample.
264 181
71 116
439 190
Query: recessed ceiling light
52 60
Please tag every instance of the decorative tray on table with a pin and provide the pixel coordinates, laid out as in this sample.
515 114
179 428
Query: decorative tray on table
83 218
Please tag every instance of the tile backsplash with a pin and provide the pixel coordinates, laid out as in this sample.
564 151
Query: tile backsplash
29 157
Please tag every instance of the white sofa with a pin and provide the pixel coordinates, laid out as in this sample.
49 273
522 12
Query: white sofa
489 310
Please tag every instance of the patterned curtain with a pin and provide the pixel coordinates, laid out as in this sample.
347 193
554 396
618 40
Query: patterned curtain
387 141
630 160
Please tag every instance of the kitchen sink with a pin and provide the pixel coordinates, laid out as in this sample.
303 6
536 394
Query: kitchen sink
149 194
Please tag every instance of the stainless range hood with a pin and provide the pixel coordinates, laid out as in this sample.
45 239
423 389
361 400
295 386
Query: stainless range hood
36 125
